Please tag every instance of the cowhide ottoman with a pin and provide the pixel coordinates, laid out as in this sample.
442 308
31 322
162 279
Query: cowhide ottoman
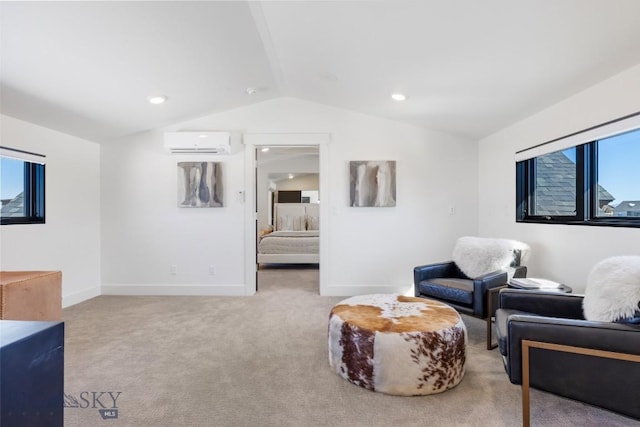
396 344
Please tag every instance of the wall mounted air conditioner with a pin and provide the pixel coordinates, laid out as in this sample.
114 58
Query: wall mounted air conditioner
198 142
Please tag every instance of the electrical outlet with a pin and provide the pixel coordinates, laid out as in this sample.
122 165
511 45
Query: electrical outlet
212 270
452 210
174 270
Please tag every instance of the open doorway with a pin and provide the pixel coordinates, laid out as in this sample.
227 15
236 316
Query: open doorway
287 191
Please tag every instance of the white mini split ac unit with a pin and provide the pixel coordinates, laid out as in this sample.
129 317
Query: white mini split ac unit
198 142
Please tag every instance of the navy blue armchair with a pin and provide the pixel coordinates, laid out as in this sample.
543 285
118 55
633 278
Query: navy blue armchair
588 361
474 296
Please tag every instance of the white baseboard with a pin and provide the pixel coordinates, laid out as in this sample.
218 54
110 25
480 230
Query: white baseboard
175 290
78 297
352 290
219 290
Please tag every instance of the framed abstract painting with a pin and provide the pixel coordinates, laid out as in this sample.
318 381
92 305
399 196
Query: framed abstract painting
372 183
200 185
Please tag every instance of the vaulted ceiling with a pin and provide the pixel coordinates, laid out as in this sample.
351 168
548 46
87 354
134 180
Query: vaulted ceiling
467 67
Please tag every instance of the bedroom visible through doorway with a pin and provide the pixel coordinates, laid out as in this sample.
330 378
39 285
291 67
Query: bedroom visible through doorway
288 212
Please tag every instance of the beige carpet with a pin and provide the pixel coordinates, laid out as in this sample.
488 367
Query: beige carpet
262 361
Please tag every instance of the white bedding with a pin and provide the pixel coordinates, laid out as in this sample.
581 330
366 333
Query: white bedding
290 242
297 236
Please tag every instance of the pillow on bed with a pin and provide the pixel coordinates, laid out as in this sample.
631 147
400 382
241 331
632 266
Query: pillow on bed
280 223
267 230
313 223
291 223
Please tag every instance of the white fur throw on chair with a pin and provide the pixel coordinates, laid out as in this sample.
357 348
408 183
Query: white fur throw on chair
613 289
477 256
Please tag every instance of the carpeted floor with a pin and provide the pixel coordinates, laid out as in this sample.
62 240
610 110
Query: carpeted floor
262 361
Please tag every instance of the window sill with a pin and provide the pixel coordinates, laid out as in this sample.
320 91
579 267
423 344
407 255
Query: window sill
634 223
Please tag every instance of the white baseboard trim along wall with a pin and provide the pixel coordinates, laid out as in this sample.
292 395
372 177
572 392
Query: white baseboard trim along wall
80 296
182 290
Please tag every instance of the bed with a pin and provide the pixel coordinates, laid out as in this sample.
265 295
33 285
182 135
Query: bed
296 235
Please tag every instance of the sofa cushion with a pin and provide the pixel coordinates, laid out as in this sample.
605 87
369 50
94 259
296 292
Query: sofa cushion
632 320
635 320
455 290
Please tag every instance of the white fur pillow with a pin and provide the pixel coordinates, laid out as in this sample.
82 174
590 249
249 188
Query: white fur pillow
477 256
613 289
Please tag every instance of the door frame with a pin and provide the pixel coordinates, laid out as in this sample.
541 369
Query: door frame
252 141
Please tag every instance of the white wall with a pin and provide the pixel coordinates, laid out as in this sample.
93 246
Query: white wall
564 253
70 239
144 233
307 182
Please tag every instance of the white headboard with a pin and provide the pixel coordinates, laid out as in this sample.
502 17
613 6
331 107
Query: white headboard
296 216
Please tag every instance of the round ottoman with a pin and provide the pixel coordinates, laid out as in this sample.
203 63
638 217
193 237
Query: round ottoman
396 344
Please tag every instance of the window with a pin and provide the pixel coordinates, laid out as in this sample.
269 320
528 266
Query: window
554 189
594 183
618 176
21 188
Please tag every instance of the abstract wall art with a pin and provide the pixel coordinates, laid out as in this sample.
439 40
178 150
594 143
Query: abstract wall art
372 183
200 185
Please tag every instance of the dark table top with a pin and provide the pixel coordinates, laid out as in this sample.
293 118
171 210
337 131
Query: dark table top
14 330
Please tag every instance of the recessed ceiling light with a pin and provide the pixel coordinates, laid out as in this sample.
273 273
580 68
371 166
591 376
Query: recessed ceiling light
157 99
398 96
265 149
251 90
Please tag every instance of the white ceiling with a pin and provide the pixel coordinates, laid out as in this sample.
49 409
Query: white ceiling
468 67
290 155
